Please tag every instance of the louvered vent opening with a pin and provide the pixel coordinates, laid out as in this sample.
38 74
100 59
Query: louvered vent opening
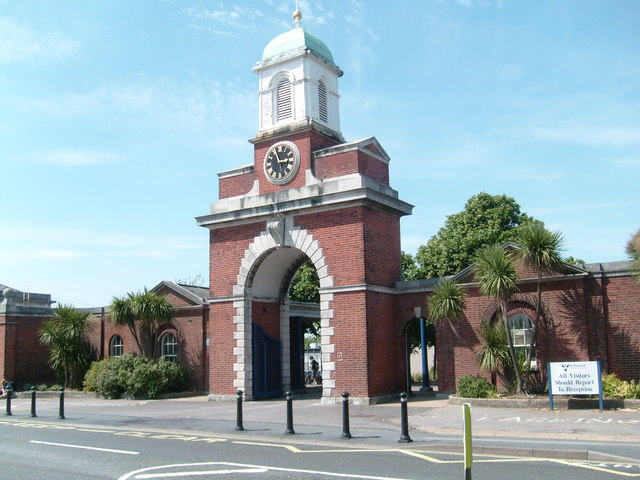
322 102
283 100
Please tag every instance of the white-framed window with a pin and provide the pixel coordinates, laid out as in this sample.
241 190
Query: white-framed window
169 347
521 329
116 346
323 108
284 100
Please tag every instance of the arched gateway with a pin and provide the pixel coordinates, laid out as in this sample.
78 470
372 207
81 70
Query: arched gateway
307 195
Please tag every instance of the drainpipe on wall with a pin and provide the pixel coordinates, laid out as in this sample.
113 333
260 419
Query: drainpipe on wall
605 314
101 333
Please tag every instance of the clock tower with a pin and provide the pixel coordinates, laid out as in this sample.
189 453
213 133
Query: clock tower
308 196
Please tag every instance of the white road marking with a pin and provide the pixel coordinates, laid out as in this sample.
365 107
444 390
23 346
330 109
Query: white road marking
202 472
84 447
241 468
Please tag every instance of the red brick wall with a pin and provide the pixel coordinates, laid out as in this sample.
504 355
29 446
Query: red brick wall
7 348
622 307
233 186
582 321
189 327
25 359
360 244
350 339
267 315
353 161
227 247
222 342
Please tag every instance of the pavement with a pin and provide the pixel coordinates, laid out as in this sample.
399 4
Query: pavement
435 424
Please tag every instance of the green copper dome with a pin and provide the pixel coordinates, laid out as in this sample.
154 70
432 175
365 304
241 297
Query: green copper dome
293 40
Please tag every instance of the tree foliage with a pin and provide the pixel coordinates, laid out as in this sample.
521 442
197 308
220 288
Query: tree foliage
66 336
633 250
447 303
305 284
541 250
496 274
486 220
410 268
145 314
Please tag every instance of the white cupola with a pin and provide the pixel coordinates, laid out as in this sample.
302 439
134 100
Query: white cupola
298 82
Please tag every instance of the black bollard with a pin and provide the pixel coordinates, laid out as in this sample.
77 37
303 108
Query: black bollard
345 416
290 430
9 392
61 409
33 402
239 414
404 419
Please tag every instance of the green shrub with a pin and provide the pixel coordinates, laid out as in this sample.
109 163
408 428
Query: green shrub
613 387
135 376
471 386
92 377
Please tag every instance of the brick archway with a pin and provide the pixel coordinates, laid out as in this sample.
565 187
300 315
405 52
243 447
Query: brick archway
279 235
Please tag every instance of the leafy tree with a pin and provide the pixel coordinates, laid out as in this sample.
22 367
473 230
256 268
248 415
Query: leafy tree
447 303
573 260
497 277
410 269
65 335
144 313
485 220
539 249
305 284
633 250
192 280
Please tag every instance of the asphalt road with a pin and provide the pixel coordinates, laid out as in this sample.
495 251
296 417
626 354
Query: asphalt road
50 449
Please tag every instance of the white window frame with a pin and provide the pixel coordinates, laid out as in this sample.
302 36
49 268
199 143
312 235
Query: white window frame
169 347
521 336
116 346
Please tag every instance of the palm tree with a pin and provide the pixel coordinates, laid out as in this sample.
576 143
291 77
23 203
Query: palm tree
496 274
494 353
540 250
144 313
448 302
66 335
633 250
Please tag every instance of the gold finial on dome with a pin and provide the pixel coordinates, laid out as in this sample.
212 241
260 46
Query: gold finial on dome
297 15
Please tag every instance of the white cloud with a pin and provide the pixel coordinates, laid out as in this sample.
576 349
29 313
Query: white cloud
588 134
19 42
33 254
77 158
195 105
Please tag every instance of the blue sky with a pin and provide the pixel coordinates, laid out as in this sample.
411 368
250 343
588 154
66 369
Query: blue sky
116 116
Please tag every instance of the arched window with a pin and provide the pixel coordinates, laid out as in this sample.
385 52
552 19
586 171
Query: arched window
284 102
520 327
116 346
169 347
323 112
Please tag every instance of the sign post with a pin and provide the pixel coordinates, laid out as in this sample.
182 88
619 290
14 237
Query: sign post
574 378
467 447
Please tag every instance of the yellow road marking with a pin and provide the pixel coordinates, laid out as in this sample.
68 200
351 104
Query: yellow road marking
294 449
598 468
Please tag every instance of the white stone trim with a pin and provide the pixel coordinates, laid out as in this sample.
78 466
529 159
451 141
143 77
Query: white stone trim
242 352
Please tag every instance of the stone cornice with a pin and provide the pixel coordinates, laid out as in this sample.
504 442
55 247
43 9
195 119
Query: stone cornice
340 192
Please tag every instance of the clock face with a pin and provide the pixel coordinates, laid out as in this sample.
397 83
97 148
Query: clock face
281 162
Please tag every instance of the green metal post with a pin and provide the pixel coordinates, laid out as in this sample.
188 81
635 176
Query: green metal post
468 453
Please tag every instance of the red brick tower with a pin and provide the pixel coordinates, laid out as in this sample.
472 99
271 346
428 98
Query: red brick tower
307 195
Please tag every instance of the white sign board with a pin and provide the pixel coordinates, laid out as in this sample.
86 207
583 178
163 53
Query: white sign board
574 378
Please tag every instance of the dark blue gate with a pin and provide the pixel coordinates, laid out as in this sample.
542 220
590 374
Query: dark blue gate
267 367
